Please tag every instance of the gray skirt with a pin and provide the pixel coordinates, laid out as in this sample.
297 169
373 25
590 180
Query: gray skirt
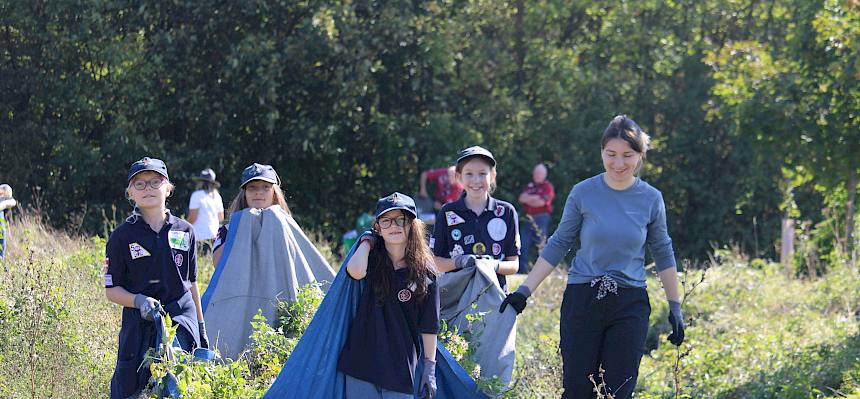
361 389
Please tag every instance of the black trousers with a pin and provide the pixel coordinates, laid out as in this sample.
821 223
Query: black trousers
608 333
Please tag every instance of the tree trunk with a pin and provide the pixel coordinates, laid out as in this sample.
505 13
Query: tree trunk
849 213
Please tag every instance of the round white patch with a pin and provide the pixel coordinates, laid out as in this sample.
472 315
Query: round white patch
456 234
498 229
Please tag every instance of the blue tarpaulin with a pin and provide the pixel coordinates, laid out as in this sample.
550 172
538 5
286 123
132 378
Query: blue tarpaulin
311 371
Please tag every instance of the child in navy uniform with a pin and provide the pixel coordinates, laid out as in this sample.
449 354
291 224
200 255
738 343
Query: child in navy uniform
151 267
398 312
477 227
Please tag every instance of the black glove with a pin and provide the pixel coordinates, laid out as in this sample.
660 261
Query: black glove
517 300
148 306
427 389
464 261
204 339
676 320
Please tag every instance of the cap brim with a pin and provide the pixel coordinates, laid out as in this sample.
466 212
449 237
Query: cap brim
394 208
148 170
485 156
265 179
198 178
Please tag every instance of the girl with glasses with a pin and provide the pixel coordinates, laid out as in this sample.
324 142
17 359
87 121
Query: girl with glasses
261 257
151 268
398 312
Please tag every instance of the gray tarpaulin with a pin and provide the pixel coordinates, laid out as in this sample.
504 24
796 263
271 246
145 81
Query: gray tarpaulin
496 332
266 257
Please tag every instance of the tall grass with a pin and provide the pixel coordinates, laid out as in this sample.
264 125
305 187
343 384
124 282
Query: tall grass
57 330
756 333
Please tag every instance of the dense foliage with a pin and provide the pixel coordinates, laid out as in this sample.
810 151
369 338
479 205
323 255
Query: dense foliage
752 104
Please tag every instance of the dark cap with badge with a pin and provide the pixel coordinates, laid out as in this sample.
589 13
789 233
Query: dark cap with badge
257 171
148 164
476 151
395 201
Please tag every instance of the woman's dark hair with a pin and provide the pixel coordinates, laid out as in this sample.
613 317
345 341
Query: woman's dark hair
624 128
418 259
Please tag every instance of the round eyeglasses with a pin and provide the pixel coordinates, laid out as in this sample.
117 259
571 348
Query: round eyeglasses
386 223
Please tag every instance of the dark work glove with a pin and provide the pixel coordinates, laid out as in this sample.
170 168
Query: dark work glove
676 320
204 339
464 261
517 300
427 389
148 306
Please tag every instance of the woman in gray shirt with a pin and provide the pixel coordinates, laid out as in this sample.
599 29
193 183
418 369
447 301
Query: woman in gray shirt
605 310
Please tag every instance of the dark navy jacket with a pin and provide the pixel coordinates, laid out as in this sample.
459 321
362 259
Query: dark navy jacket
495 232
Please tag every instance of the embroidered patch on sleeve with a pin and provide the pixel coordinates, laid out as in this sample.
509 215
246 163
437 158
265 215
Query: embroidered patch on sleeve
108 279
137 251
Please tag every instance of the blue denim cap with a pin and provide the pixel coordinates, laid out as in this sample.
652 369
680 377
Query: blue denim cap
257 171
394 201
145 164
476 151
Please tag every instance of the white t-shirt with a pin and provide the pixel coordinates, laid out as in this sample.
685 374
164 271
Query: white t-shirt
208 206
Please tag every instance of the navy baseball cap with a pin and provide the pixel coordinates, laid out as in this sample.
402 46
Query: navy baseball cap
257 171
476 151
394 201
145 164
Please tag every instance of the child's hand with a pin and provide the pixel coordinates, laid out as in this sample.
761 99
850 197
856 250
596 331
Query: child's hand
148 306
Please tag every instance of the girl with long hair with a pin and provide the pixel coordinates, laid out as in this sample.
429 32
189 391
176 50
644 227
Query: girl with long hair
398 313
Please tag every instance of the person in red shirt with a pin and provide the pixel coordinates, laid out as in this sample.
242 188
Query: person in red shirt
447 187
536 199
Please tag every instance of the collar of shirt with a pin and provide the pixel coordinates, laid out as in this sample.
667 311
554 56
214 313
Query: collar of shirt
460 204
171 220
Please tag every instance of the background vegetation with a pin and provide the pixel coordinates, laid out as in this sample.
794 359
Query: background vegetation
752 104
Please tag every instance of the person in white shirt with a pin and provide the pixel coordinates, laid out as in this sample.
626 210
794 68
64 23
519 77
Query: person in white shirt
206 209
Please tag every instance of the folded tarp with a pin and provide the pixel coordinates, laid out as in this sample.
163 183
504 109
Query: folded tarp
311 370
266 258
476 290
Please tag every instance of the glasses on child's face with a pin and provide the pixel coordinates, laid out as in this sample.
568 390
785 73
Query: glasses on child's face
140 185
386 223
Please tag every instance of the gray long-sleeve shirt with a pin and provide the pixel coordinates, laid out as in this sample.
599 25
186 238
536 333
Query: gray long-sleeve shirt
613 227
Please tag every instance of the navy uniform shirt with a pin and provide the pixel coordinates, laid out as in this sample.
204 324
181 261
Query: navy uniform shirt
383 342
161 265
495 232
